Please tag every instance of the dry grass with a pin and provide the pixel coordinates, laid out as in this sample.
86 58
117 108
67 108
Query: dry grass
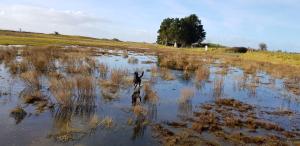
16 67
118 76
31 79
62 90
91 62
103 69
181 61
186 94
85 86
56 75
166 74
8 55
13 67
76 91
78 68
39 59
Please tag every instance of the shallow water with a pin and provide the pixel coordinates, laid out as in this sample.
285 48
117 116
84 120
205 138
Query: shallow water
36 128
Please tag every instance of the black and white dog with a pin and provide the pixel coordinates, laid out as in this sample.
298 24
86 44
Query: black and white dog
137 79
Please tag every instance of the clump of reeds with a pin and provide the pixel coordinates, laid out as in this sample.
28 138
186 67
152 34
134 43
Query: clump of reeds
31 79
133 60
13 67
16 67
186 94
103 69
125 54
91 62
179 61
62 90
23 66
166 74
8 55
117 76
111 86
79 68
40 61
85 86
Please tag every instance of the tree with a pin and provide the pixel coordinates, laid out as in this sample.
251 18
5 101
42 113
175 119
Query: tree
184 31
192 30
263 46
164 32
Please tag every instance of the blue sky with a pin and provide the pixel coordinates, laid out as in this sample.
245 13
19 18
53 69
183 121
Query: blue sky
230 22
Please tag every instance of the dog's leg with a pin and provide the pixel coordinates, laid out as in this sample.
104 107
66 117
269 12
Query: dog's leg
135 85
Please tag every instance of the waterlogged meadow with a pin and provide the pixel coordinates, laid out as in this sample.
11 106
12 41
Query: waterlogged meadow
84 96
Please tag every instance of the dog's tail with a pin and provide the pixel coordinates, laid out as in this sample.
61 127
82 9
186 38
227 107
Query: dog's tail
142 74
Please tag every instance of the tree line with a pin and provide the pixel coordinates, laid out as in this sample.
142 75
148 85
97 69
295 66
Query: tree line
181 31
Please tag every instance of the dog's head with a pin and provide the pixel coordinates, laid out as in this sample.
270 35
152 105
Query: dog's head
136 74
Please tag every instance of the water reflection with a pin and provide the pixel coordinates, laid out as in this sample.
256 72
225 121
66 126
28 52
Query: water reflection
185 110
139 127
74 122
218 87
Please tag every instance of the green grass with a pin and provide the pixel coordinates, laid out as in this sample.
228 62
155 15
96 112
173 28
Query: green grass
274 57
39 39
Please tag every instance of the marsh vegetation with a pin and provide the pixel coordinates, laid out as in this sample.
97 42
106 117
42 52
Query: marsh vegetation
82 95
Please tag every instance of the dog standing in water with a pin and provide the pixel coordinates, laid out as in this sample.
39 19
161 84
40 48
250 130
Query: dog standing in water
137 79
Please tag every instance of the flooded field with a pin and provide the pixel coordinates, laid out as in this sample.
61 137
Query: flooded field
85 96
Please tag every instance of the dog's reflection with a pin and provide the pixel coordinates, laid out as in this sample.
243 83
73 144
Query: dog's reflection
136 95
140 118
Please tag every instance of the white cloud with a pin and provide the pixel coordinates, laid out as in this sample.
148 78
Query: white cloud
47 20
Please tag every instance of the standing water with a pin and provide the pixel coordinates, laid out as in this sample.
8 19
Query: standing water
86 99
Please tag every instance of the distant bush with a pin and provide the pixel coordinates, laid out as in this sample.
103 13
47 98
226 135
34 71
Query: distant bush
117 40
237 50
263 46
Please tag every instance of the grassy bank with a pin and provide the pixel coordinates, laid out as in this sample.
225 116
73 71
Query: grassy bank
38 39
